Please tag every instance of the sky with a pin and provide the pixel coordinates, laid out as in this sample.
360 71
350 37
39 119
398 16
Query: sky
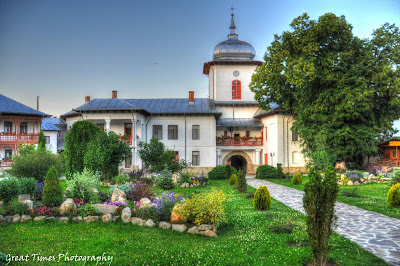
63 51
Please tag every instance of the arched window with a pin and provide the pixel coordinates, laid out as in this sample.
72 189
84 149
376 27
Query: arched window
236 90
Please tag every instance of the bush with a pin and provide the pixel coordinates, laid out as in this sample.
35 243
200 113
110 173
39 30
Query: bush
262 198
351 193
164 180
28 186
88 210
125 187
279 172
43 211
35 163
120 179
395 177
136 174
165 204
297 179
241 183
9 189
205 208
250 195
52 191
393 196
82 185
185 178
219 172
141 190
266 171
319 204
233 179
103 196
354 176
15 207
228 171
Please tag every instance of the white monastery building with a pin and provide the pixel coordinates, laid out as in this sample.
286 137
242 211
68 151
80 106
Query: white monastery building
227 128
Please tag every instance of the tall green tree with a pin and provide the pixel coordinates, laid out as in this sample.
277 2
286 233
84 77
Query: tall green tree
52 191
339 88
105 154
42 141
77 144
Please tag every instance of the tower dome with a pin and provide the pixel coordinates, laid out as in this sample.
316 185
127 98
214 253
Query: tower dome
233 48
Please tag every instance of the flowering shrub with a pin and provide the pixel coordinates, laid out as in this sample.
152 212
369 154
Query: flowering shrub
79 202
205 207
118 211
43 211
115 203
88 210
354 176
39 191
82 185
166 203
144 213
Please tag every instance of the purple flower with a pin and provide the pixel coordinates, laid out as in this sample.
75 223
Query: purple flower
105 202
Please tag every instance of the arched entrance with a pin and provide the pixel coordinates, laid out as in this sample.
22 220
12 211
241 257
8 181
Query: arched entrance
239 160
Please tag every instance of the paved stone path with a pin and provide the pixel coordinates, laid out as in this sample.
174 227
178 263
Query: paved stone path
374 232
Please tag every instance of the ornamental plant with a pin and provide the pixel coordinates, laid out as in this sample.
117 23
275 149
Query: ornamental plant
218 172
262 198
52 191
16 207
43 211
319 204
233 180
279 171
9 189
164 180
165 203
141 190
241 183
28 185
393 195
266 171
83 185
205 208
228 171
297 179
88 210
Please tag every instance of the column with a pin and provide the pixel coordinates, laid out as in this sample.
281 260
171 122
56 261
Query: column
258 152
134 140
108 124
218 156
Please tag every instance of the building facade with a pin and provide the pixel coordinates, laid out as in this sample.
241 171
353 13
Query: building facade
227 128
19 124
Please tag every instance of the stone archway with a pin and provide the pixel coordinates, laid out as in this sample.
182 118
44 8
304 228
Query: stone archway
249 163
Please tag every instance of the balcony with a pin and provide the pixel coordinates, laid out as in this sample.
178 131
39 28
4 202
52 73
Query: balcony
239 141
13 138
5 163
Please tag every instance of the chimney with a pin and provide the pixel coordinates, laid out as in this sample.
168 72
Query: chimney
114 94
37 103
191 97
87 99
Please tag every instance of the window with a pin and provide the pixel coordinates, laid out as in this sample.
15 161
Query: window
8 154
195 132
394 154
195 158
247 134
128 161
128 130
157 131
47 139
172 132
236 90
8 126
101 125
225 133
295 136
23 127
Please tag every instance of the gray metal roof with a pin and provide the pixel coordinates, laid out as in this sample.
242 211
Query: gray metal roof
10 106
50 123
274 108
70 113
152 106
239 122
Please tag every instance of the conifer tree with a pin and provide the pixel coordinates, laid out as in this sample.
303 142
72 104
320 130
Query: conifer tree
52 191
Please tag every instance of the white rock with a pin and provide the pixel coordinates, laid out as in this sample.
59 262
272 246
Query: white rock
68 206
179 227
106 218
26 218
16 218
149 223
119 195
165 225
138 221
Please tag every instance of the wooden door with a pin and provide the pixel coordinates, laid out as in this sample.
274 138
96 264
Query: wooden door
266 158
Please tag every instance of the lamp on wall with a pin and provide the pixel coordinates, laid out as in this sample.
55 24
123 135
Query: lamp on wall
272 154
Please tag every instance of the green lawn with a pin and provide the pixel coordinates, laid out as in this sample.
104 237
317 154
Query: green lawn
246 239
373 196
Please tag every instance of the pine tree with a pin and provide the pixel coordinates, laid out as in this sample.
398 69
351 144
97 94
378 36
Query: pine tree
228 171
241 183
42 141
52 191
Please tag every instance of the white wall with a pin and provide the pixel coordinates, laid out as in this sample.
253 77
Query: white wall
220 81
52 146
205 145
237 111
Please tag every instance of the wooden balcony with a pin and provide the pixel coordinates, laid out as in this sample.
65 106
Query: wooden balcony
240 142
5 163
12 138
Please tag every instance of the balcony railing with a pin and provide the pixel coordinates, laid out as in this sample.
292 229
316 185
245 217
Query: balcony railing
18 138
240 142
5 163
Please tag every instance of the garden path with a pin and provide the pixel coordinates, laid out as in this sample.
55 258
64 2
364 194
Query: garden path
374 232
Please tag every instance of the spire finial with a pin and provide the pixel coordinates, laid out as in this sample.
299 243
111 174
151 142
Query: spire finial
232 35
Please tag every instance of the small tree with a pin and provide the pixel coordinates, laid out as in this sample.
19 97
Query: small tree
105 154
42 141
241 183
152 154
52 191
77 144
228 171
279 172
319 204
